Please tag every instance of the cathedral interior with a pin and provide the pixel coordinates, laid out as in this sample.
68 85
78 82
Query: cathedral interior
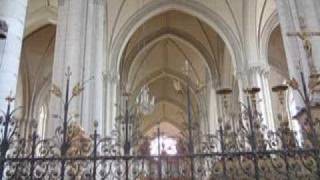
159 89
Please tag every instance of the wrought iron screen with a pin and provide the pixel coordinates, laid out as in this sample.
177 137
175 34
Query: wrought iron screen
242 148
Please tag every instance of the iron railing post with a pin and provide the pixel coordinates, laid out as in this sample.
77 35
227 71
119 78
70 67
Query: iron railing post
33 153
64 145
223 151
285 153
95 136
127 143
4 147
191 150
253 139
311 123
159 154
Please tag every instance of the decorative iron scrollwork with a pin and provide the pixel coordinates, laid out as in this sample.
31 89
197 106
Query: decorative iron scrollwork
242 148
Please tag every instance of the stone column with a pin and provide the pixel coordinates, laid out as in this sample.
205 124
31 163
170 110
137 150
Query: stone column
110 97
289 22
256 68
242 80
79 45
258 77
13 13
214 111
95 52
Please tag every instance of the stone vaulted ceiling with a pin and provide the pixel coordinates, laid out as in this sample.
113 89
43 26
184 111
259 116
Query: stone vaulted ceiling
156 56
157 51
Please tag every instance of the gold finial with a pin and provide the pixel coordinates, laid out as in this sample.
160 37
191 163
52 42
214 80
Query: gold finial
56 90
293 83
77 89
10 98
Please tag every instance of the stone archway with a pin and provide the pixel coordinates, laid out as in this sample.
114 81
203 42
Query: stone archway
35 73
152 9
130 52
190 7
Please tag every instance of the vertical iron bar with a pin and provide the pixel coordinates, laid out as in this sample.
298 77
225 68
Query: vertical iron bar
191 153
286 153
64 145
223 151
4 147
159 153
95 154
127 168
253 140
127 143
33 152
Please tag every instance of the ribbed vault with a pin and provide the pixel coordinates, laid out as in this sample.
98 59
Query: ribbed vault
156 56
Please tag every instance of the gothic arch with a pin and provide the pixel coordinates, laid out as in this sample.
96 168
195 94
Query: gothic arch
35 72
268 28
189 7
174 34
152 9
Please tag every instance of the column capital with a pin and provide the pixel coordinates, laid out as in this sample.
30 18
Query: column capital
259 67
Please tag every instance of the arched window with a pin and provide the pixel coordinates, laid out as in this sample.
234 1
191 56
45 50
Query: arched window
42 121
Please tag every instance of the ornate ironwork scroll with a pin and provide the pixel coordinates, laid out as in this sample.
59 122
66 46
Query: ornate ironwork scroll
242 148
